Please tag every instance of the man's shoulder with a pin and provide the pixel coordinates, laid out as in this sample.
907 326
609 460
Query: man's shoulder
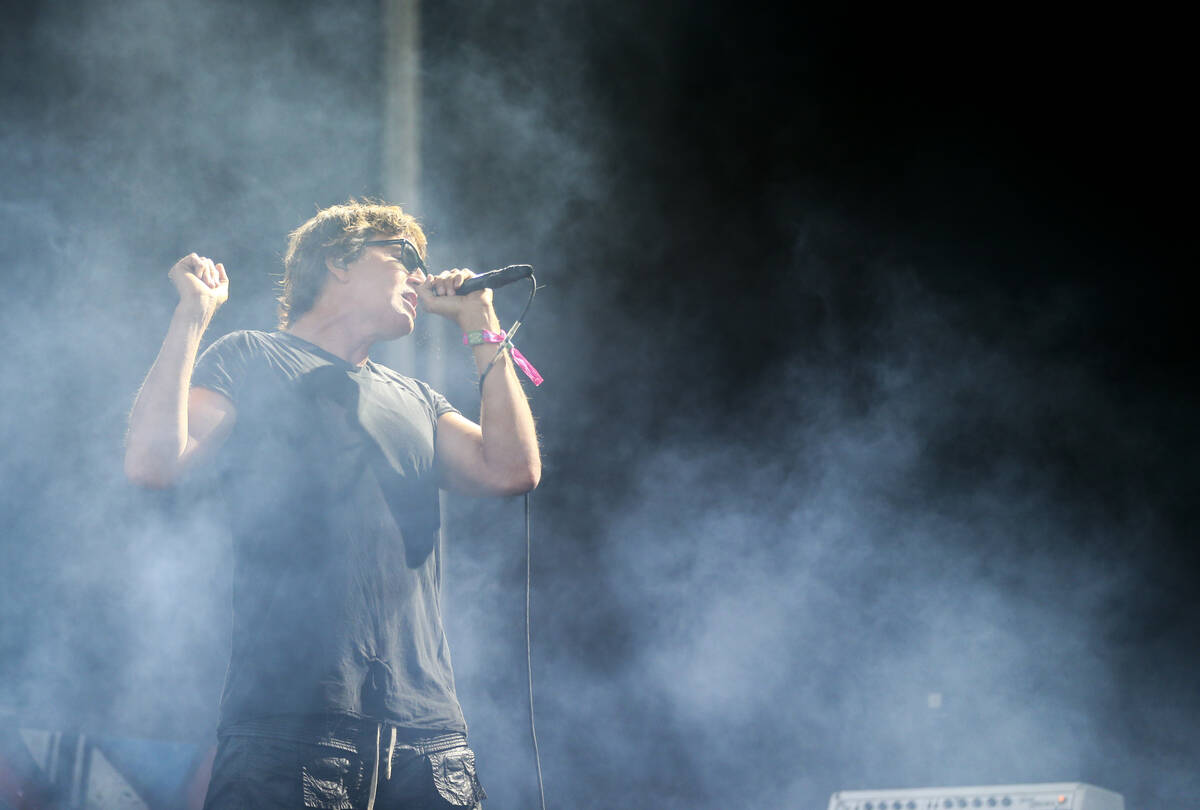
391 375
425 392
250 343
380 370
248 352
248 337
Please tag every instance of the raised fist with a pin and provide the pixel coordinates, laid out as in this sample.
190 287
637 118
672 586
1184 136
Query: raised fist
200 283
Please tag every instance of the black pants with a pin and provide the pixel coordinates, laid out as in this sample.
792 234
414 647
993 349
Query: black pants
256 771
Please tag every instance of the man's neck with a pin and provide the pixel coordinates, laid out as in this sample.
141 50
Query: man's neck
335 333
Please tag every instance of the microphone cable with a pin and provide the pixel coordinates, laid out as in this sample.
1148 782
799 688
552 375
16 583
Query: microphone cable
537 757
511 333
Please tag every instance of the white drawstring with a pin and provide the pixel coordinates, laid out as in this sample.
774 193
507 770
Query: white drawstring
375 769
391 749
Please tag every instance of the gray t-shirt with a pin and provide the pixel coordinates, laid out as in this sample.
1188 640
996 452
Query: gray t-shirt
331 486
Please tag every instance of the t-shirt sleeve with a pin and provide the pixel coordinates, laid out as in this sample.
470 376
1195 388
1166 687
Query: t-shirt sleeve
439 403
222 366
433 402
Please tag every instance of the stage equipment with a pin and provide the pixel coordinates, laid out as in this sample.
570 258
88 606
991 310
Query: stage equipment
1051 796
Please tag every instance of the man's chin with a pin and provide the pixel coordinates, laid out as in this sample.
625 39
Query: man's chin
402 327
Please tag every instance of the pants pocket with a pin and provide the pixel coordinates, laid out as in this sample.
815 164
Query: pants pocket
326 782
455 779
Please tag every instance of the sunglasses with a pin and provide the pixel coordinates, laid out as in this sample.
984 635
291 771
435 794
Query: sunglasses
408 253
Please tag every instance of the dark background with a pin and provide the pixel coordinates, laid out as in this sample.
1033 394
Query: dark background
869 415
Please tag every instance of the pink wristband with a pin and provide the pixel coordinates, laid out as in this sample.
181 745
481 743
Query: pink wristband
481 336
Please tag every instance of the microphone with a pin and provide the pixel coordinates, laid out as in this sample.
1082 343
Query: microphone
495 278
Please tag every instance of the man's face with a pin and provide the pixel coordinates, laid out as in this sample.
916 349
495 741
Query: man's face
382 286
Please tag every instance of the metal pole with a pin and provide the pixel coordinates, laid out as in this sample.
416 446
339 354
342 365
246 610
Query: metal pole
402 167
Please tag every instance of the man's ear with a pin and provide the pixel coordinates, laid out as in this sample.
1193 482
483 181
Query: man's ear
337 268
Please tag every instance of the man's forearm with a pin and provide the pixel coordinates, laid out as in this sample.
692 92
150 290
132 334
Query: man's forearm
158 424
510 448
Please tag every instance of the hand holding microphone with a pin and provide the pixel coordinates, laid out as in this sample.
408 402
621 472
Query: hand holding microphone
442 294
490 280
480 326
495 278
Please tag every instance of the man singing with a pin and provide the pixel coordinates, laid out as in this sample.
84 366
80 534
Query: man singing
340 692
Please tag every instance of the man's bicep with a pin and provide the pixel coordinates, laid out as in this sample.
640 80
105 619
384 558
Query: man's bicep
460 455
211 417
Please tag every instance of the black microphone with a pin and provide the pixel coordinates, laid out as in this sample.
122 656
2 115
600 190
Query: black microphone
495 278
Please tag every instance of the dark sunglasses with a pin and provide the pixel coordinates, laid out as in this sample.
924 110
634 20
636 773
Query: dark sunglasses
408 253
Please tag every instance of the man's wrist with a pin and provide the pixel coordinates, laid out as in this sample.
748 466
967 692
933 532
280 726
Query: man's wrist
477 320
480 338
194 312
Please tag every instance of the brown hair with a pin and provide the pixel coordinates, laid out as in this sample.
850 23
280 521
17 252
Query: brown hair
337 233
